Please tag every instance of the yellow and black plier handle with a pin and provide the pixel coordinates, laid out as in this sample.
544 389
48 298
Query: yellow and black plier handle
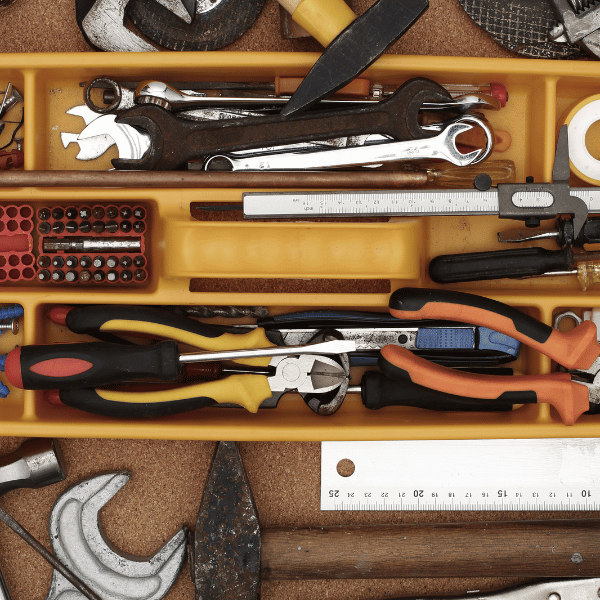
158 323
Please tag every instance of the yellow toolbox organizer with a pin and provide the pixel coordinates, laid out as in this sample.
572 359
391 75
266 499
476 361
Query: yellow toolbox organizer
181 249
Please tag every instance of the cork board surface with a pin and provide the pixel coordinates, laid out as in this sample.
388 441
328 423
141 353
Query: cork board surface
168 476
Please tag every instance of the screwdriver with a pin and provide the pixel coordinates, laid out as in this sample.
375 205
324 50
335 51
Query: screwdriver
563 234
417 174
94 364
379 391
527 262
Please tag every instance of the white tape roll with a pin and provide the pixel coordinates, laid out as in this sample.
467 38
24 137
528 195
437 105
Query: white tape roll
579 118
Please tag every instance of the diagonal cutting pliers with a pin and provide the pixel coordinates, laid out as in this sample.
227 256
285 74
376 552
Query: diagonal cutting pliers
571 393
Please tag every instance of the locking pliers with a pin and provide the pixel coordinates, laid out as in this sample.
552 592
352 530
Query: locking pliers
579 23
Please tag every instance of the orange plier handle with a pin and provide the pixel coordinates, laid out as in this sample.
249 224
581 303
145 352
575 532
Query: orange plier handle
576 349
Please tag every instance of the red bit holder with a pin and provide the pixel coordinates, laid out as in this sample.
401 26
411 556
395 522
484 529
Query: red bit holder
17 261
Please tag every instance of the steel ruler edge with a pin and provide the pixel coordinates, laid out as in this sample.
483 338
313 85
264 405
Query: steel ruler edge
499 475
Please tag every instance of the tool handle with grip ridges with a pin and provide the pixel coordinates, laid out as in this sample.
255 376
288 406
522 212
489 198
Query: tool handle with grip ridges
499 264
575 349
91 364
379 391
570 399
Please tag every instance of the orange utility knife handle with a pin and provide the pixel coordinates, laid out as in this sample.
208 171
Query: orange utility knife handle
575 349
570 399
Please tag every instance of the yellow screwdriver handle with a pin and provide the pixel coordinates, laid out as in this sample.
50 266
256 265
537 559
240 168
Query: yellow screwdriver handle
323 19
501 171
588 273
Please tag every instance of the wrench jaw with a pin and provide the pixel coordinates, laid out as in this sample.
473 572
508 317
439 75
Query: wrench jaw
78 541
153 157
464 124
414 93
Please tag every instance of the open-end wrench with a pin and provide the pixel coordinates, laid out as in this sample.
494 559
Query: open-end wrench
167 96
442 146
175 142
101 133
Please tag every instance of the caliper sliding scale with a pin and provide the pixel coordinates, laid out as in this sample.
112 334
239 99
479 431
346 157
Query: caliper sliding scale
508 200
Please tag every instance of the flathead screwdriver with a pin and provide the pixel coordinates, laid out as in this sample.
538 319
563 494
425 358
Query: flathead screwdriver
95 364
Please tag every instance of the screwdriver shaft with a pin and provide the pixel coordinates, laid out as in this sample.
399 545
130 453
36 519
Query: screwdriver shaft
332 347
40 549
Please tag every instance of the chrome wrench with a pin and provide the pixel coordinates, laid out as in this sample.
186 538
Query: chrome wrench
174 141
442 146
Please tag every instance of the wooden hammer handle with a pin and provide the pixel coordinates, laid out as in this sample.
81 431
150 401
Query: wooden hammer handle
560 548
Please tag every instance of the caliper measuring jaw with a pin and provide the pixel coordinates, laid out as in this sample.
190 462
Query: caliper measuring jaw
541 201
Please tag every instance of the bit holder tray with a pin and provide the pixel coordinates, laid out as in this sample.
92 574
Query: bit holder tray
285 266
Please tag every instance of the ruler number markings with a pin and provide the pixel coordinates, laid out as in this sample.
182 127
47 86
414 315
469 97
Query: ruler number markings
569 480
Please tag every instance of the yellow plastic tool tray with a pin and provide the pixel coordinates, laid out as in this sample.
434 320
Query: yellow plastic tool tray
285 266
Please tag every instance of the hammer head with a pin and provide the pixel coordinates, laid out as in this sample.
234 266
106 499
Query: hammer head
35 464
226 560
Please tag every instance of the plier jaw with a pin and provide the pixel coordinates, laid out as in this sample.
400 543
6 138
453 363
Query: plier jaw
316 378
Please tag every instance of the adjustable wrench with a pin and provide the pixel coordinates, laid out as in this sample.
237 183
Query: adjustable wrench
175 142
441 146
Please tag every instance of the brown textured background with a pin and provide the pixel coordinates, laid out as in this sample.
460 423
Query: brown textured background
168 476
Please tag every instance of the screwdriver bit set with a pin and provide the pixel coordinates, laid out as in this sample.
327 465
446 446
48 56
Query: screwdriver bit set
92 244
285 265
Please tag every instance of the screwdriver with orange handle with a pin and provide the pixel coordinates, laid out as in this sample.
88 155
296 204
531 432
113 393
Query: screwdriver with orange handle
577 350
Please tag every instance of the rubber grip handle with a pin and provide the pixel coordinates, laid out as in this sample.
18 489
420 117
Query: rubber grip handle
480 266
589 234
379 391
570 399
92 400
91 364
165 324
245 390
575 349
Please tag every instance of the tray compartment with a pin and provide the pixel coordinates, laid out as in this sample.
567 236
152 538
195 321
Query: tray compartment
539 91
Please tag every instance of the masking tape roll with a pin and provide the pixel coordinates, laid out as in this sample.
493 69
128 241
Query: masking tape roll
579 118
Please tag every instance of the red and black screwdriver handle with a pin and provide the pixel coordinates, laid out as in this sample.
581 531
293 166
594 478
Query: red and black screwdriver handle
576 349
68 366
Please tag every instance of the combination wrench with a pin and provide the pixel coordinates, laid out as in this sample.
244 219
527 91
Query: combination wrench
442 146
174 142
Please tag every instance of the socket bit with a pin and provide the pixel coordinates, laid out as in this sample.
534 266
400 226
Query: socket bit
79 244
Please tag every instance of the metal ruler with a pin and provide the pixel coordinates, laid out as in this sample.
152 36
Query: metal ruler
498 475
398 203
